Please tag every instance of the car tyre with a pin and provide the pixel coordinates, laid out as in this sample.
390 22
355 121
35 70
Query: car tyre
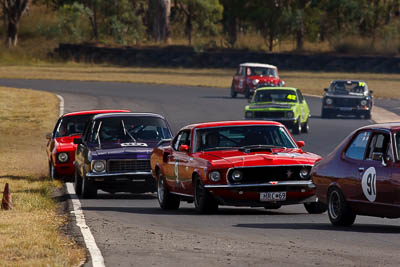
89 189
315 207
78 183
233 92
297 127
166 200
340 214
368 115
204 202
306 127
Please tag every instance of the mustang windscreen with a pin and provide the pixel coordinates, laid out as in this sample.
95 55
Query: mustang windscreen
219 138
72 125
130 129
276 96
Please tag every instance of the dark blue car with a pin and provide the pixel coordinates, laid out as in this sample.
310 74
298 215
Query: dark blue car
114 153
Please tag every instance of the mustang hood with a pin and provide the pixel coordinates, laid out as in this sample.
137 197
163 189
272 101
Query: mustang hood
241 159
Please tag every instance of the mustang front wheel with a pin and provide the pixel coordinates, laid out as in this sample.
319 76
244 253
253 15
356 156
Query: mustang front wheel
315 207
166 200
203 200
338 209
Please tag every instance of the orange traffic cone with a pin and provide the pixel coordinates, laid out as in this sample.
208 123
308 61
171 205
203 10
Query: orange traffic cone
6 201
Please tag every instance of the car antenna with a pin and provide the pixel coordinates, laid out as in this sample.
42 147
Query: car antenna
126 132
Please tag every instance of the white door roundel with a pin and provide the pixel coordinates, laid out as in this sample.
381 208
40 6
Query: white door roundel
369 184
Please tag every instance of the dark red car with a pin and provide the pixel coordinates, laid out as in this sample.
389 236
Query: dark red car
61 147
362 175
237 163
250 76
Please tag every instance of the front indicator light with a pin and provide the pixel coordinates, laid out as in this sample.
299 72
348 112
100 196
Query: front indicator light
62 157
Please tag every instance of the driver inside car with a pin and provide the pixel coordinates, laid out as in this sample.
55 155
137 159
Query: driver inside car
212 140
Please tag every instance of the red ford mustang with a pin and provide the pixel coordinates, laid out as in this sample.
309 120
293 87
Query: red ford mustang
61 147
237 163
361 176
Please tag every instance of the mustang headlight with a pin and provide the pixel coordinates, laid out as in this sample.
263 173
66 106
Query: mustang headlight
329 101
364 102
255 82
304 173
248 114
99 165
214 176
237 176
62 157
290 114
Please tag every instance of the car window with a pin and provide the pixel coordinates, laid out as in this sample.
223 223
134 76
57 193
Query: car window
378 144
71 125
235 137
300 95
183 138
275 95
358 146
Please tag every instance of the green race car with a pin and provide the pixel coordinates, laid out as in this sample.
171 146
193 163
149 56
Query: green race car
282 104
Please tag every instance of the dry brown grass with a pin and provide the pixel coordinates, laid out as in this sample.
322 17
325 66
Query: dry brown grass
30 232
383 85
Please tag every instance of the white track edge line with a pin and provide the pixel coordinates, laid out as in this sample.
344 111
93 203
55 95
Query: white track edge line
95 253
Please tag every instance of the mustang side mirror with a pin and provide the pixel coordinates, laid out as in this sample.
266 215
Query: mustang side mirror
48 136
183 148
300 144
78 141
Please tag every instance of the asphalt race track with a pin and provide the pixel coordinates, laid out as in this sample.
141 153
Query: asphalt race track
131 230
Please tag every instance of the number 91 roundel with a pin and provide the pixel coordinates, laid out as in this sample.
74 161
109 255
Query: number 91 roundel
369 184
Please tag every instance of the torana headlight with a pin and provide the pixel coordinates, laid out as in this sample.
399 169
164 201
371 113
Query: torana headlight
214 176
329 101
364 102
62 157
99 165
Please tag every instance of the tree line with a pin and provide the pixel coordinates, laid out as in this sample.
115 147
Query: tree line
132 21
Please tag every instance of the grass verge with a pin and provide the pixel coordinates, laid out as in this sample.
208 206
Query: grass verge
30 232
383 85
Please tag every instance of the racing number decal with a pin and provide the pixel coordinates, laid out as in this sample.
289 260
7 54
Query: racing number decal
369 184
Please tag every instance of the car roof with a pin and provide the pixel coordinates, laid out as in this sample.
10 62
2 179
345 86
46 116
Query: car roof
230 123
95 111
248 64
356 81
275 88
128 114
383 126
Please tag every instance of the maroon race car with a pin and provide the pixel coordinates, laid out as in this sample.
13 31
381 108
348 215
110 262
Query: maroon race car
250 76
362 175
61 147
237 163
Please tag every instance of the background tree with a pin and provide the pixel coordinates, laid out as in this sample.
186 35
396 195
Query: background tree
233 14
159 12
13 11
200 15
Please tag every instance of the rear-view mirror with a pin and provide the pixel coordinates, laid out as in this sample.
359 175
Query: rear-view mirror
300 144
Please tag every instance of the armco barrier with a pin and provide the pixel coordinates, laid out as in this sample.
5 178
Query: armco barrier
187 57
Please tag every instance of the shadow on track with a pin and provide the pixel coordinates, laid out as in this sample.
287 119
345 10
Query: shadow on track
358 228
189 211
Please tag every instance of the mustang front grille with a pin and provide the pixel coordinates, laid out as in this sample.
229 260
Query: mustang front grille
131 165
265 174
269 114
